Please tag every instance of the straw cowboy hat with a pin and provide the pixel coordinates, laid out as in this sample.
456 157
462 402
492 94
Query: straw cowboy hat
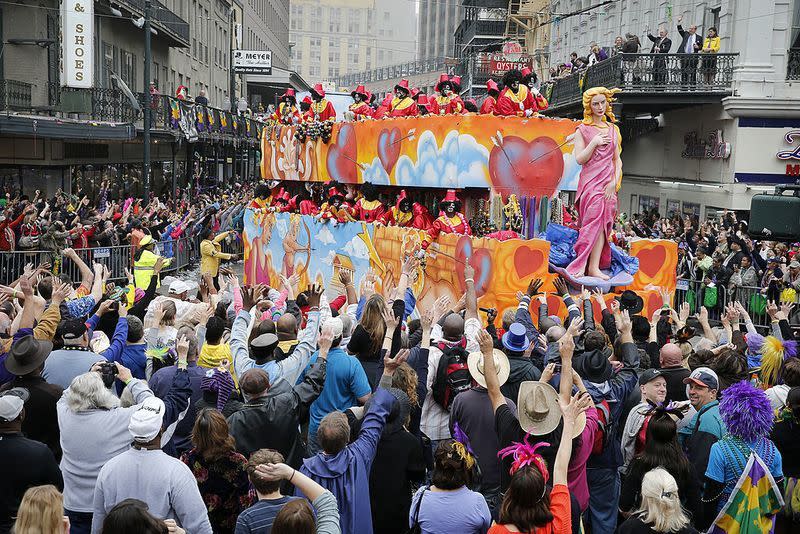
537 408
475 364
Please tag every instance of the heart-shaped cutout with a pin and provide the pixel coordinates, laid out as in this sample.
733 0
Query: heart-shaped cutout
533 168
342 154
527 261
389 148
651 260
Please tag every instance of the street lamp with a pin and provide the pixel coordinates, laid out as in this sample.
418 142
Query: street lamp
147 108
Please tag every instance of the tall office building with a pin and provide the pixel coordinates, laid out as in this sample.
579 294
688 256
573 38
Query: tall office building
438 20
331 38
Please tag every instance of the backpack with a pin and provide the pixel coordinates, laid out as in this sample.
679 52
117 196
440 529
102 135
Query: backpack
452 375
605 423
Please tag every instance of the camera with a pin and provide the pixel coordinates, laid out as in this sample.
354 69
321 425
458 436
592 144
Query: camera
108 371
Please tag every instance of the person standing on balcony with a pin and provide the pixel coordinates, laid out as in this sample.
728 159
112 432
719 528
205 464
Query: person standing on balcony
322 108
691 44
516 99
447 102
402 105
710 47
490 102
661 45
155 96
201 99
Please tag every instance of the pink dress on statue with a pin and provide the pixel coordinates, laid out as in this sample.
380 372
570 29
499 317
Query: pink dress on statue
595 213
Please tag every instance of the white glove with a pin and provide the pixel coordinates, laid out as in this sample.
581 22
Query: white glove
535 91
528 112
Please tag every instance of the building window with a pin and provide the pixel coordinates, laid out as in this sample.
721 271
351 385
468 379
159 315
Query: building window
335 20
333 72
109 63
354 21
128 68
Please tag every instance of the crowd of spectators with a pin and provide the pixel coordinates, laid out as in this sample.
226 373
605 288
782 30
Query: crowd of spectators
699 53
252 409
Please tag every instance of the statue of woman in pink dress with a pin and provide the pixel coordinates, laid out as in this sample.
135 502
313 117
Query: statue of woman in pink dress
597 149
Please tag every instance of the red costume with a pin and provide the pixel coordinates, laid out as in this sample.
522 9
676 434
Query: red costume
418 217
287 112
321 108
303 207
403 106
281 200
457 224
368 210
522 103
490 102
360 109
383 110
329 212
441 104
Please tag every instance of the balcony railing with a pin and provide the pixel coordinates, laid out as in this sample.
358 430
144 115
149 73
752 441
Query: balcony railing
470 29
793 64
391 72
181 117
649 73
15 95
163 18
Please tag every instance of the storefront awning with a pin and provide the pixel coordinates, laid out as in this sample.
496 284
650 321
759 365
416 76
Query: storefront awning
56 128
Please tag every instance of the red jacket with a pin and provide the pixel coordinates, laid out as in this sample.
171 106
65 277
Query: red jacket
489 103
404 108
361 110
323 110
368 211
447 226
440 105
8 239
516 104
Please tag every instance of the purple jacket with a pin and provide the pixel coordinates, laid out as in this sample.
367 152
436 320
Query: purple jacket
346 474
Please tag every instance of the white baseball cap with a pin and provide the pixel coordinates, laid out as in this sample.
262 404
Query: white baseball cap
12 402
178 286
146 422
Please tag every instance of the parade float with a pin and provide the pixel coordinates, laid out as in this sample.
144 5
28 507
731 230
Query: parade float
524 161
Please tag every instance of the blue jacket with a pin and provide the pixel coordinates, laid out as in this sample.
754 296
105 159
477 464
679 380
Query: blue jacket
703 431
346 474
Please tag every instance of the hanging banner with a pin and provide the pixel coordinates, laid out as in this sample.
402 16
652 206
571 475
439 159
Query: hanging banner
77 43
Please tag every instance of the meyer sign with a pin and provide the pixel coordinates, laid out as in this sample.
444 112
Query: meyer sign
77 43
252 61
499 64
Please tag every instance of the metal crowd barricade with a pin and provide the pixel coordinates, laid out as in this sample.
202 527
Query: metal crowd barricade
183 253
751 298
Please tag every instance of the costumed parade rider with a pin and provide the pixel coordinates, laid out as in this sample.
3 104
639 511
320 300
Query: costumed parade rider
407 214
287 112
368 208
359 109
450 220
402 105
446 102
335 209
518 99
322 108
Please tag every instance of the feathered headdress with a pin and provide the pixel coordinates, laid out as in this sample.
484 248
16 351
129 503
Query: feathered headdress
664 410
773 353
462 447
525 454
746 411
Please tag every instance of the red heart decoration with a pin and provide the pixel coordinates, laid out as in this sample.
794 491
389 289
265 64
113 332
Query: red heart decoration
342 154
527 261
651 260
389 148
519 175
479 259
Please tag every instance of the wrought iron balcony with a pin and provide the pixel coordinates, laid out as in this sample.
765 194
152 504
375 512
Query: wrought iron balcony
163 19
168 114
657 77
15 95
471 29
793 64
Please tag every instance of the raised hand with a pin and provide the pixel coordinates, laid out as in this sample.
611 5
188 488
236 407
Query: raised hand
561 287
390 365
533 287
485 342
389 319
575 327
548 372
314 293
325 340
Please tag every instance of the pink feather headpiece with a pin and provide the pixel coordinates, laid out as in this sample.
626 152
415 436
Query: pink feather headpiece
525 454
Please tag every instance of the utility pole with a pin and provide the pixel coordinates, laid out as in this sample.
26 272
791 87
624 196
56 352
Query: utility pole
148 101
234 107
